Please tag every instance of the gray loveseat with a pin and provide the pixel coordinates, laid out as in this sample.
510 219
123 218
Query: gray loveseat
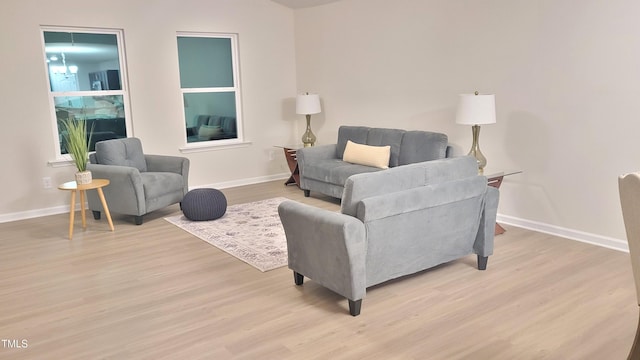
323 170
392 223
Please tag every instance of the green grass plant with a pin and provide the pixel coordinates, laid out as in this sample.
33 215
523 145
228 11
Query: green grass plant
77 142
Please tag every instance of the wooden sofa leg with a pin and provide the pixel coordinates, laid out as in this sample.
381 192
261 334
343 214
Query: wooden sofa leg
482 262
96 214
298 278
307 193
354 307
138 220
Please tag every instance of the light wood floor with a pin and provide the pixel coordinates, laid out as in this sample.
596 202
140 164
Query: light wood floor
157 292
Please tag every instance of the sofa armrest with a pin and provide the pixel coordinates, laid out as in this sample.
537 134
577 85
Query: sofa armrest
163 163
315 153
125 192
174 164
326 246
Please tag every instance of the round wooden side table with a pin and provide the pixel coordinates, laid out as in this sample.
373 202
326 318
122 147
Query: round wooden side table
72 186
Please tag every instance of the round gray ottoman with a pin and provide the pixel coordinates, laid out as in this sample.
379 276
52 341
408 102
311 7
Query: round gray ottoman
204 204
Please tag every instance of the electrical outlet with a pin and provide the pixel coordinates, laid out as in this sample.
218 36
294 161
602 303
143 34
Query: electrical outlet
46 182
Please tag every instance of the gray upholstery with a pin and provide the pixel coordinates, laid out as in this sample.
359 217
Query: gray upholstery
393 223
323 170
139 183
127 152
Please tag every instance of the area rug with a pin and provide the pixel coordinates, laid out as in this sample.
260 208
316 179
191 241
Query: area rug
251 232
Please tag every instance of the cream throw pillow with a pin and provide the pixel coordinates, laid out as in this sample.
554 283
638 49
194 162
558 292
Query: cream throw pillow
207 132
376 156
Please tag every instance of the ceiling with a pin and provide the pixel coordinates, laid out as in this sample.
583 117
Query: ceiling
299 4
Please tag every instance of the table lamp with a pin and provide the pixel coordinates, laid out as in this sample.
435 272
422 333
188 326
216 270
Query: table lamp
476 110
308 104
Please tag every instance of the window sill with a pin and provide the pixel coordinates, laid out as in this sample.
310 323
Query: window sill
213 146
60 163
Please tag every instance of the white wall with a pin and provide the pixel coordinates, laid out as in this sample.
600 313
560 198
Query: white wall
267 66
566 74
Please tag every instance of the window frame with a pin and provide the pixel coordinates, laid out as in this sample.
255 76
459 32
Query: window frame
65 159
236 89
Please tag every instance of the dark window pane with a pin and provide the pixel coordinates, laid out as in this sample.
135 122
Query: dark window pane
210 116
205 62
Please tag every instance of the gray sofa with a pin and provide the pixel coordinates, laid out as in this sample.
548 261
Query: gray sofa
392 223
139 183
323 170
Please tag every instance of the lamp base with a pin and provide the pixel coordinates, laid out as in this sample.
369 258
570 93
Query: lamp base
475 149
308 138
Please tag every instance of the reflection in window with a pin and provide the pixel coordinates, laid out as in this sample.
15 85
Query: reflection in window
85 81
104 116
209 85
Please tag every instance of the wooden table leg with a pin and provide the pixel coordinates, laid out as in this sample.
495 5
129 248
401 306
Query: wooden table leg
496 182
72 211
292 162
105 207
82 209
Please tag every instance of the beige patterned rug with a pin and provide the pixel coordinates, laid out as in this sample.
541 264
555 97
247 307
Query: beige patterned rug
251 232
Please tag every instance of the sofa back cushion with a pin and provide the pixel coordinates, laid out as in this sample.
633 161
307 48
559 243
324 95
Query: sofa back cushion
361 186
121 152
226 123
387 137
419 146
357 134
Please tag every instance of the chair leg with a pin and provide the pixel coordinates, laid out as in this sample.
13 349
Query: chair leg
307 193
96 214
354 307
482 262
138 220
298 278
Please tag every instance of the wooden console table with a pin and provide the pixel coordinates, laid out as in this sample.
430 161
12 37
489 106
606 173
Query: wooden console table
290 153
72 186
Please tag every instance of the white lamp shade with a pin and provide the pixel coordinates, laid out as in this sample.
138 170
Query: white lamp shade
308 104
476 109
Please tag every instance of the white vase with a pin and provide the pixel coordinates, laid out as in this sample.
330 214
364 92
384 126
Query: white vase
83 177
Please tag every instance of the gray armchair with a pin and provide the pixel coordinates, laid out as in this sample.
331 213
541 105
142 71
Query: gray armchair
392 223
139 183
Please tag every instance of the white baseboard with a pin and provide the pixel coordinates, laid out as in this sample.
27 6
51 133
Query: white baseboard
23 215
30 214
242 182
604 241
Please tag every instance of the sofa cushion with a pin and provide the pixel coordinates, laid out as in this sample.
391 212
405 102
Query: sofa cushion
122 152
419 146
384 137
335 171
376 156
357 134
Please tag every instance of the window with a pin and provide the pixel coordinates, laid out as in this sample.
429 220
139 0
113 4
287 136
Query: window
86 74
210 88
